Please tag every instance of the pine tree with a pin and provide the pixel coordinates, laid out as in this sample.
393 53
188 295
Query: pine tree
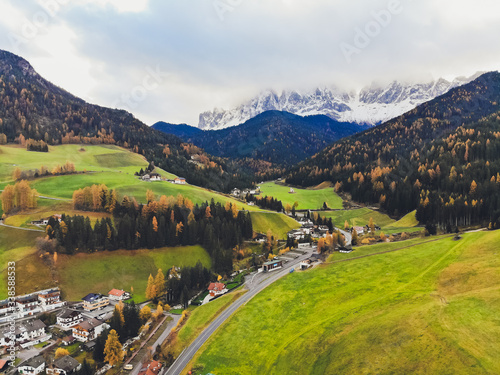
113 352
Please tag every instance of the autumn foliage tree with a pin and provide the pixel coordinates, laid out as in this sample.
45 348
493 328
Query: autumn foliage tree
113 352
18 197
61 352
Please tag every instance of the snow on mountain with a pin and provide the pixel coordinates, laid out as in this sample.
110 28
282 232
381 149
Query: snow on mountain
370 106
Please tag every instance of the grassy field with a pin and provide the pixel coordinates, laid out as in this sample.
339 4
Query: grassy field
307 198
91 158
429 309
198 320
361 217
407 221
279 224
14 246
24 219
126 184
100 272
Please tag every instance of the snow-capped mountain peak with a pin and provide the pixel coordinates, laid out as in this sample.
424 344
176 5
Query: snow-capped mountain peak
371 105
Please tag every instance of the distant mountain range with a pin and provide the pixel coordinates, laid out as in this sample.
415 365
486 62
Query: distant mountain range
274 136
370 106
441 158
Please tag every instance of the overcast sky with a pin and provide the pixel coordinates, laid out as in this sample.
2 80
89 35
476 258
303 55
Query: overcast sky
170 60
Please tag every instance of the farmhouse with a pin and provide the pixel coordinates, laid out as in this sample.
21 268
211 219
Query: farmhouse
236 192
180 181
32 366
271 266
216 289
146 177
259 237
88 329
118 295
359 230
154 177
64 366
45 221
94 301
67 318
153 368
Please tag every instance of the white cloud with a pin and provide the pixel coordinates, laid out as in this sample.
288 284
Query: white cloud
101 49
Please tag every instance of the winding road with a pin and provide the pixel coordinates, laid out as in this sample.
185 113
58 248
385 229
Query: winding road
257 282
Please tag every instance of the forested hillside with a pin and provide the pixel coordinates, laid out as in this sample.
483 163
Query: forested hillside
278 137
442 158
34 113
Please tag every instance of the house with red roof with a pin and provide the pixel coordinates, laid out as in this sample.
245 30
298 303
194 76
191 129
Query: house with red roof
217 289
153 368
118 295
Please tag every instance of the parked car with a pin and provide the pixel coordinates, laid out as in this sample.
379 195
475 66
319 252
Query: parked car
128 367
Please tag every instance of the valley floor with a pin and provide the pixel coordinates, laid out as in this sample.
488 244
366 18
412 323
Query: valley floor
429 309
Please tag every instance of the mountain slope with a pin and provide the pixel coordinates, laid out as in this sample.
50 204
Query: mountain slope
423 158
182 131
277 137
33 108
372 105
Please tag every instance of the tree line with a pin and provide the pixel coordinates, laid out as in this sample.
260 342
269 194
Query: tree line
168 221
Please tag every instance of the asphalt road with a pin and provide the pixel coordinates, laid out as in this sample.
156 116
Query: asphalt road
256 283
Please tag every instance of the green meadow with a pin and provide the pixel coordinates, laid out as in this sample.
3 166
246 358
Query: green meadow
307 198
100 272
361 217
85 157
278 224
429 309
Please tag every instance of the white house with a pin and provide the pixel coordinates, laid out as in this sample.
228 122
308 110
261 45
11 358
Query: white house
32 366
68 318
180 181
118 295
154 177
50 299
359 230
64 366
88 329
27 333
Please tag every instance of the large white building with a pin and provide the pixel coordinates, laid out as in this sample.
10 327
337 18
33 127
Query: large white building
26 333
31 304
